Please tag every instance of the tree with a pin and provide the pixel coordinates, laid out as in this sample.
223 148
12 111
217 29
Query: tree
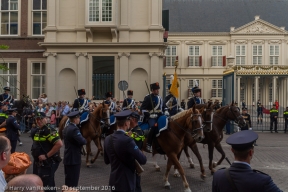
2 65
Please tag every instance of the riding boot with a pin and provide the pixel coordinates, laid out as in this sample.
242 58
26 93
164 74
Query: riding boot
258 121
150 139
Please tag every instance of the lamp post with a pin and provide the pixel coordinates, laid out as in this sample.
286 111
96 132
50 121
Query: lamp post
164 85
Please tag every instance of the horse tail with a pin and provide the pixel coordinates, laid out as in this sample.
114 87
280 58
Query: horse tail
61 126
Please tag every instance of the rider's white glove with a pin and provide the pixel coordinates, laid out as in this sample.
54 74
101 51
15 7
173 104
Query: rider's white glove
167 113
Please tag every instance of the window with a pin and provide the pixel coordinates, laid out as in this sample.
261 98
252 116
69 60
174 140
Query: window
38 79
9 17
193 57
39 16
170 56
257 54
242 91
274 54
192 84
216 88
240 54
9 78
100 10
270 92
217 58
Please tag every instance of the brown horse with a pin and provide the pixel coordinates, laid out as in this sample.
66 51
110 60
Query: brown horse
172 139
91 130
213 138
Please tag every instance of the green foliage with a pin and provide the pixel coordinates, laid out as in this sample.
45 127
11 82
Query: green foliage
3 66
4 47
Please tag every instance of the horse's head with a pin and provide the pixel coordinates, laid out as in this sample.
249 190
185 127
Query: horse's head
105 113
196 125
207 114
234 115
216 105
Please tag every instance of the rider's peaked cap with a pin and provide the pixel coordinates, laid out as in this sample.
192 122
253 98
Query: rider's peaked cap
129 92
154 86
81 92
242 140
6 88
135 115
73 114
40 115
108 94
123 115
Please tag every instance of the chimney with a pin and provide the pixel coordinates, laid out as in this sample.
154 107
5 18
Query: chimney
257 17
232 29
283 28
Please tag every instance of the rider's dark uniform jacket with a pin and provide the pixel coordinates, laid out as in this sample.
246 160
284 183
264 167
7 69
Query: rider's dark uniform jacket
273 112
172 108
147 105
43 140
83 104
193 101
6 98
128 104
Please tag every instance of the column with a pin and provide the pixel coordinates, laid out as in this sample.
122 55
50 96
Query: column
256 87
51 21
124 70
265 53
154 68
285 91
124 21
51 88
238 90
82 68
274 86
249 53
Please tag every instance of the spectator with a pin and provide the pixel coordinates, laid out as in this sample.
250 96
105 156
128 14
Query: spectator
40 108
259 112
276 104
5 152
28 183
44 98
66 108
247 119
53 119
243 104
273 119
58 113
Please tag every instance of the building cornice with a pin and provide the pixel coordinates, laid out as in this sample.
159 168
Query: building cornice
257 70
22 51
199 34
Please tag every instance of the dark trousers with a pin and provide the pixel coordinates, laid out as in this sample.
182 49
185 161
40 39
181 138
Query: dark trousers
138 184
46 172
228 130
13 145
275 121
72 173
153 130
286 123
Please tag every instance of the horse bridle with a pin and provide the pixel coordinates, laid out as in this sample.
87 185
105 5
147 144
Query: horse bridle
237 119
204 122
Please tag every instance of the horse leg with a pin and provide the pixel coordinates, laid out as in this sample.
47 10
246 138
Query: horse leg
220 150
88 151
176 173
166 182
196 152
181 171
97 142
157 167
188 157
210 151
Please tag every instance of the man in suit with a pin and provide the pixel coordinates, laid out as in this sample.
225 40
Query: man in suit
73 141
121 152
12 128
240 176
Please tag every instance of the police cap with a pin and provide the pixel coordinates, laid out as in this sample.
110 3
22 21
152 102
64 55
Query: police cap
123 115
73 114
242 140
12 110
135 115
40 115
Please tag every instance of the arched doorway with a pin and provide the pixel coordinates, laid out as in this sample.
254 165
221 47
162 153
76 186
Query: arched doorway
138 78
66 84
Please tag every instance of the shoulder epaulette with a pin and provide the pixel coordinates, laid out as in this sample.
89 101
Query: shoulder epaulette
257 171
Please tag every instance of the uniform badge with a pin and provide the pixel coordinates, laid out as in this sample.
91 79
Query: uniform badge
136 147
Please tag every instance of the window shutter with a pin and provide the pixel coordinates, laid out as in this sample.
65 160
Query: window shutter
188 61
200 61
164 61
212 61
224 61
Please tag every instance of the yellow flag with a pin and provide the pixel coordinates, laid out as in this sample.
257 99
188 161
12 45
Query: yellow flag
174 87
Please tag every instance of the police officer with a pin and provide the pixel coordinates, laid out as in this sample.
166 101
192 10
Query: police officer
247 119
259 112
273 119
12 128
45 151
3 117
81 105
196 99
285 113
73 141
152 112
129 102
138 135
6 98
170 103
122 159
240 176
110 102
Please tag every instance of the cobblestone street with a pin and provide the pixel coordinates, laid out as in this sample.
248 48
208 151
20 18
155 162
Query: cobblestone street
270 157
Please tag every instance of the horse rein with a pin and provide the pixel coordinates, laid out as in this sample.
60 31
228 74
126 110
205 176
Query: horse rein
236 118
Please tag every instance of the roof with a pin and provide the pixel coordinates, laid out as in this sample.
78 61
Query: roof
220 15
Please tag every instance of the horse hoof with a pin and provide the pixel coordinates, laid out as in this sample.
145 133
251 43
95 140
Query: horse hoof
192 166
187 190
168 187
157 169
203 176
176 175
91 161
214 164
88 165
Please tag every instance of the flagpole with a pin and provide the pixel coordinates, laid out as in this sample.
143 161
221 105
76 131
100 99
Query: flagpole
176 65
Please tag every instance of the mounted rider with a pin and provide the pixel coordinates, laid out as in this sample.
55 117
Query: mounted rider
152 112
171 104
196 99
6 98
129 102
81 105
110 102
